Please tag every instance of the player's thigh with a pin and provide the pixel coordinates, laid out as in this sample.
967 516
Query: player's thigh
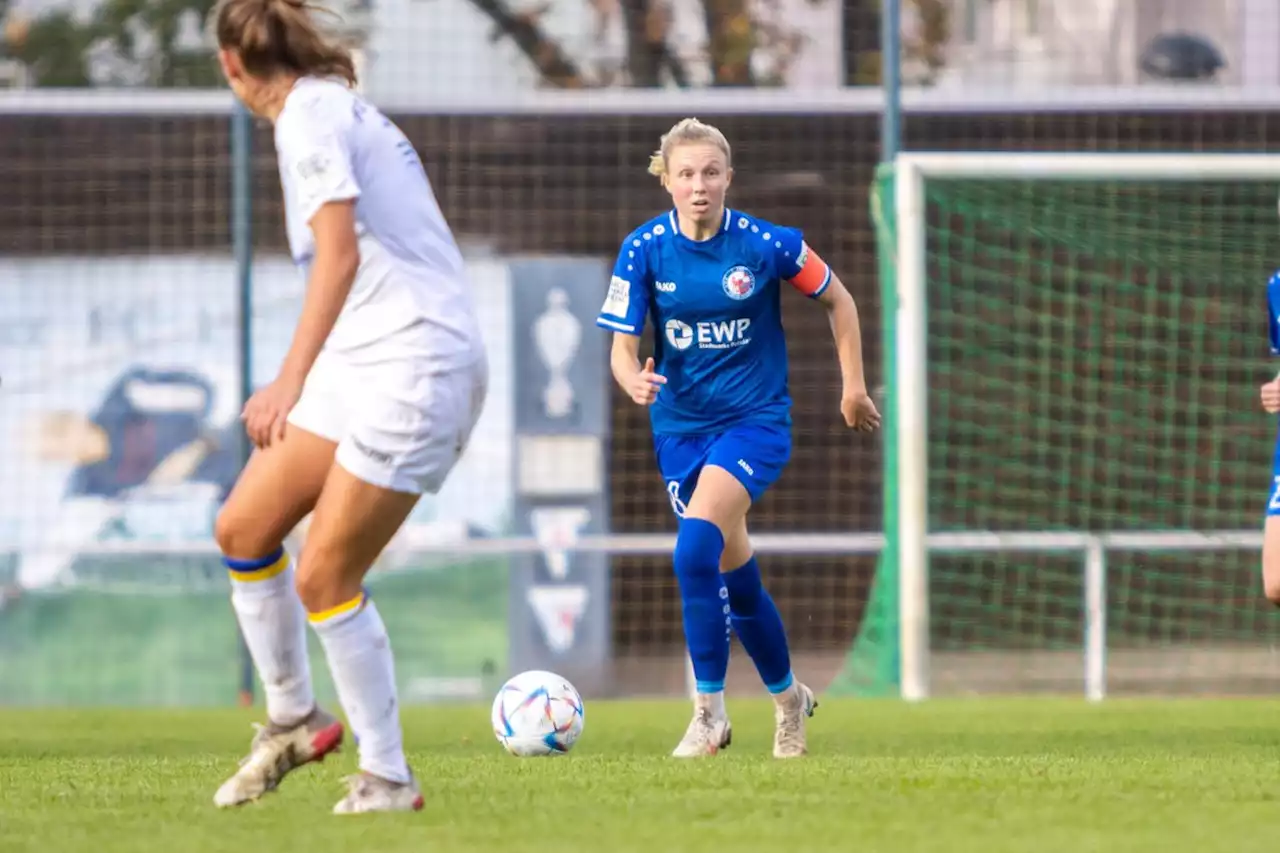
410 430
741 465
1271 559
1271 540
275 491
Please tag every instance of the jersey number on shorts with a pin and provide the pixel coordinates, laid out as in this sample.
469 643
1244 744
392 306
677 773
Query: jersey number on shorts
677 505
1274 503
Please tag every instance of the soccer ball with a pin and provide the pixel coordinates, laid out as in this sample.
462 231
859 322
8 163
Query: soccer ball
537 713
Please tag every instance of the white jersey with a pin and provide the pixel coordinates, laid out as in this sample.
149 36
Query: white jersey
410 296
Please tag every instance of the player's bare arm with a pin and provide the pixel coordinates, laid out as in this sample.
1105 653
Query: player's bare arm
856 405
640 382
333 271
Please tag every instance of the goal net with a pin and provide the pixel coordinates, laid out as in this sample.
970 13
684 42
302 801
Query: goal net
1078 341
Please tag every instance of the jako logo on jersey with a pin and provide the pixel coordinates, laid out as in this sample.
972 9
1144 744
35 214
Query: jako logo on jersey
679 334
738 283
666 286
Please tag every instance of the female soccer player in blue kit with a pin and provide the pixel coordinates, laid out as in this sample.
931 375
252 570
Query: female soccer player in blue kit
717 389
1270 394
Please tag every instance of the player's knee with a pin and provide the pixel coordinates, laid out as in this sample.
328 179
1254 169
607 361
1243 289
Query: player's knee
316 589
321 581
1271 560
737 547
698 548
1271 583
237 536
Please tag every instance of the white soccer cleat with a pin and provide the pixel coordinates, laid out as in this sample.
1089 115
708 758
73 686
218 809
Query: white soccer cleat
706 735
275 752
368 793
793 706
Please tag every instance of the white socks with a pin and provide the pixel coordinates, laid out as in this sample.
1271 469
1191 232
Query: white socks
713 702
359 653
274 626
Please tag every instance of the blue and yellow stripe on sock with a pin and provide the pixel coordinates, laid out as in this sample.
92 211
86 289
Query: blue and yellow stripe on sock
261 569
341 612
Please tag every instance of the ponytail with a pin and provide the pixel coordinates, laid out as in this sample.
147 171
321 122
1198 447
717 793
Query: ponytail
279 35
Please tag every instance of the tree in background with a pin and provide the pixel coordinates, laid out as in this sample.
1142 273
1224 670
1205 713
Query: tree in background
739 32
158 43
926 31
155 43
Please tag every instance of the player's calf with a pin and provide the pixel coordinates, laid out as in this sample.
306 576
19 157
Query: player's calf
756 621
705 610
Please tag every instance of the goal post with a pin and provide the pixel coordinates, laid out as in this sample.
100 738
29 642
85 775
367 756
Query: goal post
1075 461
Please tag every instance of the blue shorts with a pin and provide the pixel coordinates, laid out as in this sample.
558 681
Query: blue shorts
754 454
1273 502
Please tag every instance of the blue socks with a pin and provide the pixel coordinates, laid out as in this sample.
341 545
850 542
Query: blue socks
705 601
713 604
755 618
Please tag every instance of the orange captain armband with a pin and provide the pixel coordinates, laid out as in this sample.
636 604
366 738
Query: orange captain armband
814 274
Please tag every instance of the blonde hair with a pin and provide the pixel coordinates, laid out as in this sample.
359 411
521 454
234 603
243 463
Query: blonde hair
279 35
688 131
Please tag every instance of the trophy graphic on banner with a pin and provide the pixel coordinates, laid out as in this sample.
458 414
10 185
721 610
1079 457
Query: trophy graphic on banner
556 334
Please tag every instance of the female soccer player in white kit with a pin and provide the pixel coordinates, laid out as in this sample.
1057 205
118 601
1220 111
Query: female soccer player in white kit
374 403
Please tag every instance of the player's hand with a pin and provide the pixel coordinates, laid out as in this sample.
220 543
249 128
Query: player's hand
265 413
644 387
859 410
1271 396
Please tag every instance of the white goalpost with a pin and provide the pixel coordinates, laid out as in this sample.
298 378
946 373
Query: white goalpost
912 172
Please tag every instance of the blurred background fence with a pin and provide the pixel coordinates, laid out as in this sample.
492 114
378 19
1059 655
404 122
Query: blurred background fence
120 331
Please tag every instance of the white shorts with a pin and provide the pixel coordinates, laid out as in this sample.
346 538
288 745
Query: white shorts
400 424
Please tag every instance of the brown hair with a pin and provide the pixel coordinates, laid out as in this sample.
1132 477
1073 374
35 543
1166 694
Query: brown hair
279 35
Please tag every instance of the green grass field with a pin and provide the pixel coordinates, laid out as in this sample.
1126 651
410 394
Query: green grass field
1034 776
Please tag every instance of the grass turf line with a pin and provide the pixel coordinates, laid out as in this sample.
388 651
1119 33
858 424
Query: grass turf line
1038 775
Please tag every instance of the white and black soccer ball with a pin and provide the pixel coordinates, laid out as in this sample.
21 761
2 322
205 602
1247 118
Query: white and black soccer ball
538 713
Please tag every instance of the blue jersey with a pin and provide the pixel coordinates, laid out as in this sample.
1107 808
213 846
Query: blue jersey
1273 311
1273 331
715 305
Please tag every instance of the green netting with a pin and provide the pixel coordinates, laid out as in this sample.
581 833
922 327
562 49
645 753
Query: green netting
1094 351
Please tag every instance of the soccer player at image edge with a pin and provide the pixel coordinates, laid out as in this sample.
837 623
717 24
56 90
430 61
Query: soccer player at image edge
374 403
1270 394
716 387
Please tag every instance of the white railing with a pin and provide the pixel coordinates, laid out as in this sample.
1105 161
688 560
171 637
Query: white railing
1092 549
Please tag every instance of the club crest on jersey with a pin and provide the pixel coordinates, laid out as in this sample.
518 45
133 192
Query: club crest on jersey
738 283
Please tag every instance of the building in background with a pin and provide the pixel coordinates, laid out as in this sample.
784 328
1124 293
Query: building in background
1027 44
